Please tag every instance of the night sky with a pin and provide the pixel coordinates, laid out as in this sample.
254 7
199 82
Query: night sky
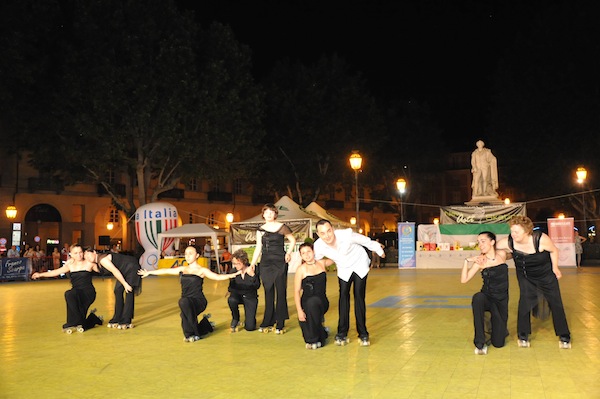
443 53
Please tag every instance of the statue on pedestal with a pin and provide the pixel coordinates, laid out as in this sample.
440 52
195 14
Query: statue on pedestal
485 172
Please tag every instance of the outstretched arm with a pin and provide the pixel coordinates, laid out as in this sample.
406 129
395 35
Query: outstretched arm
160 272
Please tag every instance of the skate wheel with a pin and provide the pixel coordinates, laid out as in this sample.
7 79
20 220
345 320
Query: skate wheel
523 343
68 330
80 329
564 345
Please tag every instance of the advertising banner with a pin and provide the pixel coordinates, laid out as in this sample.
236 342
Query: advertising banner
480 214
14 268
406 245
562 233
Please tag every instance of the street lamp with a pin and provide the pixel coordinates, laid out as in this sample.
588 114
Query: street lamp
11 212
401 185
356 164
581 176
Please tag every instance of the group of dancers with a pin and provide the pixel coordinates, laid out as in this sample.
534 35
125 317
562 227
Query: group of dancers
536 263
534 254
81 265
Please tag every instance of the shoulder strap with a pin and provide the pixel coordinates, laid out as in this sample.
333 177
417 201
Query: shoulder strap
510 243
537 235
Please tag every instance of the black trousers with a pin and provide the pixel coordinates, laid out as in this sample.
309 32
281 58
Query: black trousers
123 306
548 286
481 303
78 302
250 303
315 308
276 312
360 308
190 309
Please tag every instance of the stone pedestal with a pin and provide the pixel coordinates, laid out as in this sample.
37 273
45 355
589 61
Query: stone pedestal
484 200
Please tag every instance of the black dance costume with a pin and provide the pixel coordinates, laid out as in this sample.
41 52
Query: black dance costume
493 298
315 305
128 266
534 273
273 272
244 291
192 303
79 299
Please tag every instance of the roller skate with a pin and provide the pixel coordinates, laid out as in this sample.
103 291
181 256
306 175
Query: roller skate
71 329
192 338
124 326
364 341
236 326
341 340
523 341
564 342
112 325
482 351
280 331
265 329
314 346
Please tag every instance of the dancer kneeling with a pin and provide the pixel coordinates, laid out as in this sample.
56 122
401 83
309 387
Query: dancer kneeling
192 301
82 295
243 290
493 296
310 285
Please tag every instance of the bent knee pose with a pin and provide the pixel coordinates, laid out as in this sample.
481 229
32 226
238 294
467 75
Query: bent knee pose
82 295
243 291
192 301
310 283
493 297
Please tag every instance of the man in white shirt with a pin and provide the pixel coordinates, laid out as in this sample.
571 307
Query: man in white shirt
345 248
12 252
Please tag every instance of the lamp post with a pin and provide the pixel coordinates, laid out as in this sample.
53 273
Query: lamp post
581 173
356 164
401 185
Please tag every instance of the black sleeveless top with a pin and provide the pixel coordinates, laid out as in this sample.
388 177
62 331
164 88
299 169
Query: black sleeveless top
495 282
537 264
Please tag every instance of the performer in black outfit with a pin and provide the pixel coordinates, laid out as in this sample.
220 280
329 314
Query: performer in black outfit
127 266
82 295
273 267
310 283
493 296
536 261
192 301
243 291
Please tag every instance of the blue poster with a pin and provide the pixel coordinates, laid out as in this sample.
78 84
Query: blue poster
407 256
14 268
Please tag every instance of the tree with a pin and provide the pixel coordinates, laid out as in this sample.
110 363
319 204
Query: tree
316 115
141 90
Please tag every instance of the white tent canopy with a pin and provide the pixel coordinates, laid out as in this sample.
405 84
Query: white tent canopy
193 230
288 209
324 214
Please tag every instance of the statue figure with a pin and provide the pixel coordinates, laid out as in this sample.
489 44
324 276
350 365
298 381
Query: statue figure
485 172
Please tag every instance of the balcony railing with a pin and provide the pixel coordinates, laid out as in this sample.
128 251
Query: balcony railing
174 193
47 184
220 196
